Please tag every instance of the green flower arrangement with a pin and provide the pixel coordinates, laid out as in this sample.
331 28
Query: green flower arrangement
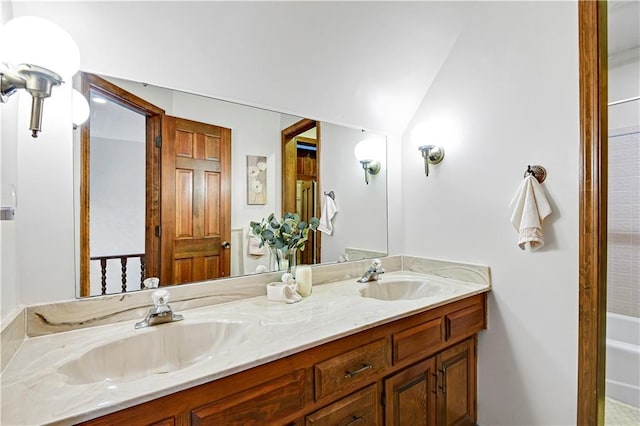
286 234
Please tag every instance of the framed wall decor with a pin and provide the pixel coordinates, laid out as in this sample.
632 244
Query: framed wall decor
256 179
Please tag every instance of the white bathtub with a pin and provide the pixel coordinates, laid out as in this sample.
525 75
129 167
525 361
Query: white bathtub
623 358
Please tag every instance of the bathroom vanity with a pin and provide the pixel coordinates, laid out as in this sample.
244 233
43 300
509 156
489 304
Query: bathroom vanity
347 354
419 367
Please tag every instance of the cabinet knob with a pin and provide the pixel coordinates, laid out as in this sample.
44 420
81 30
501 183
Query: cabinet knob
226 244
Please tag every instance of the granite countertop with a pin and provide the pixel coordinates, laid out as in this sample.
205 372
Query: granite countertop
36 391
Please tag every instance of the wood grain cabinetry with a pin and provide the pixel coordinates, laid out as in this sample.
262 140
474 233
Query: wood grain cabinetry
437 391
351 368
260 405
360 408
419 370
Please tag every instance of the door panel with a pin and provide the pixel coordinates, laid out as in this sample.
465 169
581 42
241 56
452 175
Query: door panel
212 204
410 396
457 369
196 201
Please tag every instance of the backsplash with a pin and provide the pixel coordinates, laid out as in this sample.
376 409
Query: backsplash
69 315
43 319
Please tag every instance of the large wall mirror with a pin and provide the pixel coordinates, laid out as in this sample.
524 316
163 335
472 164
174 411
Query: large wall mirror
167 183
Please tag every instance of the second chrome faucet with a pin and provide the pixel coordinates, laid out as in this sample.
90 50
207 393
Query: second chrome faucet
373 272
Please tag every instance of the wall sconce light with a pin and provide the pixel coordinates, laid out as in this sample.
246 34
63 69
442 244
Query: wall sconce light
432 154
36 55
369 152
8 202
79 109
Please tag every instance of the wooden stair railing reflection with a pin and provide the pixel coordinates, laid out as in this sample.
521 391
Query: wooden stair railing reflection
123 267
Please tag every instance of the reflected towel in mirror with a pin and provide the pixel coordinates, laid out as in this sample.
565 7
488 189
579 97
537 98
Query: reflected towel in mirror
529 208
254 246
329 210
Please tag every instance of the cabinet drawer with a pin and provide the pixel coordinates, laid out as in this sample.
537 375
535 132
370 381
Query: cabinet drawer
465 322
419 341
360 408
351 367
262 404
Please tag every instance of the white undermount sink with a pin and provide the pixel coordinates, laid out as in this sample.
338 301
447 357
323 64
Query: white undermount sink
155 350
404 288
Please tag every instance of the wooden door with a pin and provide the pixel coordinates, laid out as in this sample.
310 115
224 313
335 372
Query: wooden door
307 212
410 396
457 384
196 201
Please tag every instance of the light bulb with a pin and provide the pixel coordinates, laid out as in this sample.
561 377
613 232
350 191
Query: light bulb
371 148
80 108
37 41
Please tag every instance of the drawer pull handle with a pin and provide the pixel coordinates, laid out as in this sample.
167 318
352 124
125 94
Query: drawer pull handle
350 374
355 420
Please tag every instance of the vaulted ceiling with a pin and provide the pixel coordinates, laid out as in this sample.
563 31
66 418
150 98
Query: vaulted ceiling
364 64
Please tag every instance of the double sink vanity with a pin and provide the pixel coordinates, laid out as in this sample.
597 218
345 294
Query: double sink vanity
400 350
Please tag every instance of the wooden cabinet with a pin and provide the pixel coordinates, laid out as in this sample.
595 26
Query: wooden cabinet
410 396
419 370
456 387
349 369
260 405
437 391
360 408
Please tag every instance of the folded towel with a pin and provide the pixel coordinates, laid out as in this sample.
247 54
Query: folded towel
329 210
254 246
530 207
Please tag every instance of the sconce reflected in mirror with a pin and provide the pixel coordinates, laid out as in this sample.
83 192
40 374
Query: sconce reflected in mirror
79 108
36 55
369 152
432 154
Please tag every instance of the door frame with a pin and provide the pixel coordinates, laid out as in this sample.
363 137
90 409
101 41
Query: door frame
592 273
152 176
287 135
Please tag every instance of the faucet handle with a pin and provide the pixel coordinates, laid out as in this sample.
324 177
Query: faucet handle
160 297
376 264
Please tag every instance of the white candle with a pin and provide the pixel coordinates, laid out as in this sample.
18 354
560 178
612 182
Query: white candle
304 280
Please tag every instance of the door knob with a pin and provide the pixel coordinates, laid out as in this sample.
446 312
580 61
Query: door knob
226 244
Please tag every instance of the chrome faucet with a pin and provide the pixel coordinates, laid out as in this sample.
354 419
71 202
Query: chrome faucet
161 311
373 272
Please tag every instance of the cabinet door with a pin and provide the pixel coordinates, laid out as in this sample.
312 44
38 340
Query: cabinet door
456 385
410 396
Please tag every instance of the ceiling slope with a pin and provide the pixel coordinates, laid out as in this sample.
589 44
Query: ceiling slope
363 64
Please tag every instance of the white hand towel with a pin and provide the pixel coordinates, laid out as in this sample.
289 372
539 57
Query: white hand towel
329 210
530 207
254 246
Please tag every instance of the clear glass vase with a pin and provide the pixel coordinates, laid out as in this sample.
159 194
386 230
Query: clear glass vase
284 259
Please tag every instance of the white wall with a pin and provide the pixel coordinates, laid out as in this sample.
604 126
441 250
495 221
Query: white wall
362 72
37 257
117 195
509 92
8 176
45 253
344 175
